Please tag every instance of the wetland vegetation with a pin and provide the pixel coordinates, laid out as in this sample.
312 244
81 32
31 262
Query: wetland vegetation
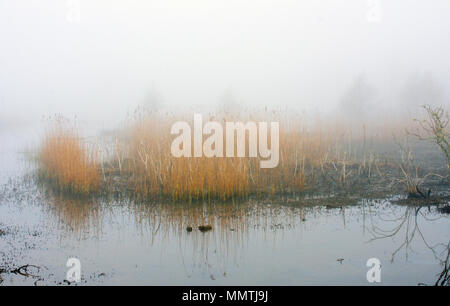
336 155
126 186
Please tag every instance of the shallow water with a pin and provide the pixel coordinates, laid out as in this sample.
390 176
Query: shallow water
120 242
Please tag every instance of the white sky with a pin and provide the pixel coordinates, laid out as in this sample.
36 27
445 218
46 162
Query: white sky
302 54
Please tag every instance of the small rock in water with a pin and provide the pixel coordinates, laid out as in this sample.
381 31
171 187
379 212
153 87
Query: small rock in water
204 228
189 228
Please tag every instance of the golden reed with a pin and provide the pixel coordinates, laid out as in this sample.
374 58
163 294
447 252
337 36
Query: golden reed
141 164
67 163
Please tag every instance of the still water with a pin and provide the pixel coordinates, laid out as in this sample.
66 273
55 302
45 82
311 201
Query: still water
121 242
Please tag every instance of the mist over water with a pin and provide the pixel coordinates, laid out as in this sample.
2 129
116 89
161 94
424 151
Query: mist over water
99 60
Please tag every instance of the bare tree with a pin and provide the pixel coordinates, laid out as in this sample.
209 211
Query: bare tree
435 128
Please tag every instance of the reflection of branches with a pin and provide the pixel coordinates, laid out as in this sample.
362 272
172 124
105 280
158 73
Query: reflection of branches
444 277
2 270
409 218
409 223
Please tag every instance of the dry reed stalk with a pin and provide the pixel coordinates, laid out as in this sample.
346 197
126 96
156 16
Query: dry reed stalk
142 165
68 163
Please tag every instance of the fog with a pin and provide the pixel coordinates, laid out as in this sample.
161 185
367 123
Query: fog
99 60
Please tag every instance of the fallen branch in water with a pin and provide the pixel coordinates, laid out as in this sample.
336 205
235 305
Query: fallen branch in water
23 270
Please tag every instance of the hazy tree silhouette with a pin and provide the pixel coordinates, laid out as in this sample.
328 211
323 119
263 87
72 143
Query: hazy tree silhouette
356 100
421 90
228 102
153 100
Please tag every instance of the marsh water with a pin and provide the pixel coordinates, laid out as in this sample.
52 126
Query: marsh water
251 243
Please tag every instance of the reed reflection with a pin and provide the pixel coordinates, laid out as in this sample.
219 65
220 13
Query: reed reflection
80 217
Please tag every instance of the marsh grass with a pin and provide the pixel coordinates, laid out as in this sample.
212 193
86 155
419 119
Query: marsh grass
138 163
154 172
67 163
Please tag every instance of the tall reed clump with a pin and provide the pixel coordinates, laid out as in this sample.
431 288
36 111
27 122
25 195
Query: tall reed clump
67 162
154 172
138 162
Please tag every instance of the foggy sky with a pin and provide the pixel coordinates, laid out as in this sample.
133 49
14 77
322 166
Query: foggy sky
301 54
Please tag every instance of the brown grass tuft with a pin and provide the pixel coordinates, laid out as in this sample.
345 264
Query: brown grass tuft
66 161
